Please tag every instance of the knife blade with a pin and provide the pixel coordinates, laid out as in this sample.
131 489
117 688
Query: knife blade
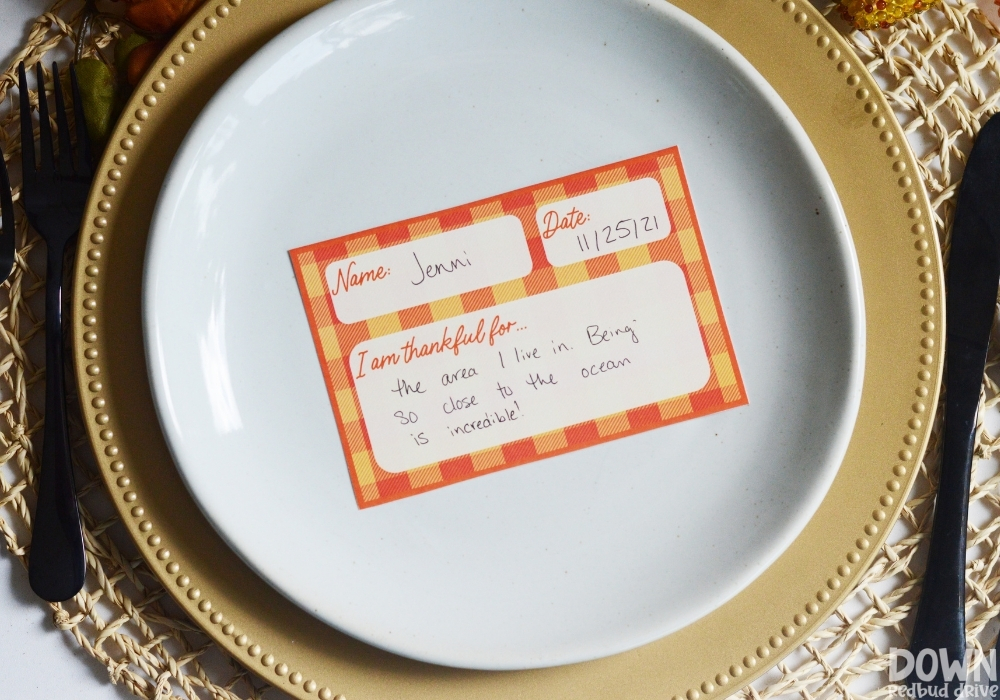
971 287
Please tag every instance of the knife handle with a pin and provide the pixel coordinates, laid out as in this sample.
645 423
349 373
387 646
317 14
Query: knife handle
940 621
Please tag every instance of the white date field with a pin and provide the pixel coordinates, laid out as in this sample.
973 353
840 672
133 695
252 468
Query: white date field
602 222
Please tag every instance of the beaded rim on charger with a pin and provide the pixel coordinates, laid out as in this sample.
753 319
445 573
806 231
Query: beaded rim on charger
891 560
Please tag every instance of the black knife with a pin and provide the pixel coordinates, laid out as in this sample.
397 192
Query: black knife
973 276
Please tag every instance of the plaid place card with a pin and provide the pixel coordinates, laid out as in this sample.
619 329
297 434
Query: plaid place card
522 326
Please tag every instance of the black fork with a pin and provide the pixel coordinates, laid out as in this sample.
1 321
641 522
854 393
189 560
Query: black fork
54 194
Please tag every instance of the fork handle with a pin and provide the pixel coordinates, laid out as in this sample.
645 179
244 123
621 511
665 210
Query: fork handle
57 563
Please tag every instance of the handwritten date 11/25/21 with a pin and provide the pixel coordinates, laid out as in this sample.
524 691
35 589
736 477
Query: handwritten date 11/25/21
626 229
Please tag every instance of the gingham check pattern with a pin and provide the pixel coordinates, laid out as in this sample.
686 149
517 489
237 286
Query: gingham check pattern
335 340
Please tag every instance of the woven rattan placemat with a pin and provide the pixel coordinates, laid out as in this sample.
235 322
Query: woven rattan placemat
940 73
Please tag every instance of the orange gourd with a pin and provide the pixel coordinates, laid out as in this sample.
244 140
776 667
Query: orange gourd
159 16
140 58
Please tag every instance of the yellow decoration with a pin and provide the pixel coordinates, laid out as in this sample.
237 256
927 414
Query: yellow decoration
880 14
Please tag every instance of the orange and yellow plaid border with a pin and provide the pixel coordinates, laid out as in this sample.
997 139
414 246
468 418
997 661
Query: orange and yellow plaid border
335 340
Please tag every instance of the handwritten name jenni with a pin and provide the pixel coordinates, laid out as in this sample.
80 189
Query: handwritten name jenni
351 277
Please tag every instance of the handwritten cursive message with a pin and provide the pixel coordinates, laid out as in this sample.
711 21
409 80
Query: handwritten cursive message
529 366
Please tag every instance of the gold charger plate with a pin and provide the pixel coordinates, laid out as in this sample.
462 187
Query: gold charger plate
865 152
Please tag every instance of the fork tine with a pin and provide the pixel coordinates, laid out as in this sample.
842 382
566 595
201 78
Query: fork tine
64 159
44 128
83 151
27 128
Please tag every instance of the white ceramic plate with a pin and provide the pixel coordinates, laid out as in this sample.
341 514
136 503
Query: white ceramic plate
366 113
